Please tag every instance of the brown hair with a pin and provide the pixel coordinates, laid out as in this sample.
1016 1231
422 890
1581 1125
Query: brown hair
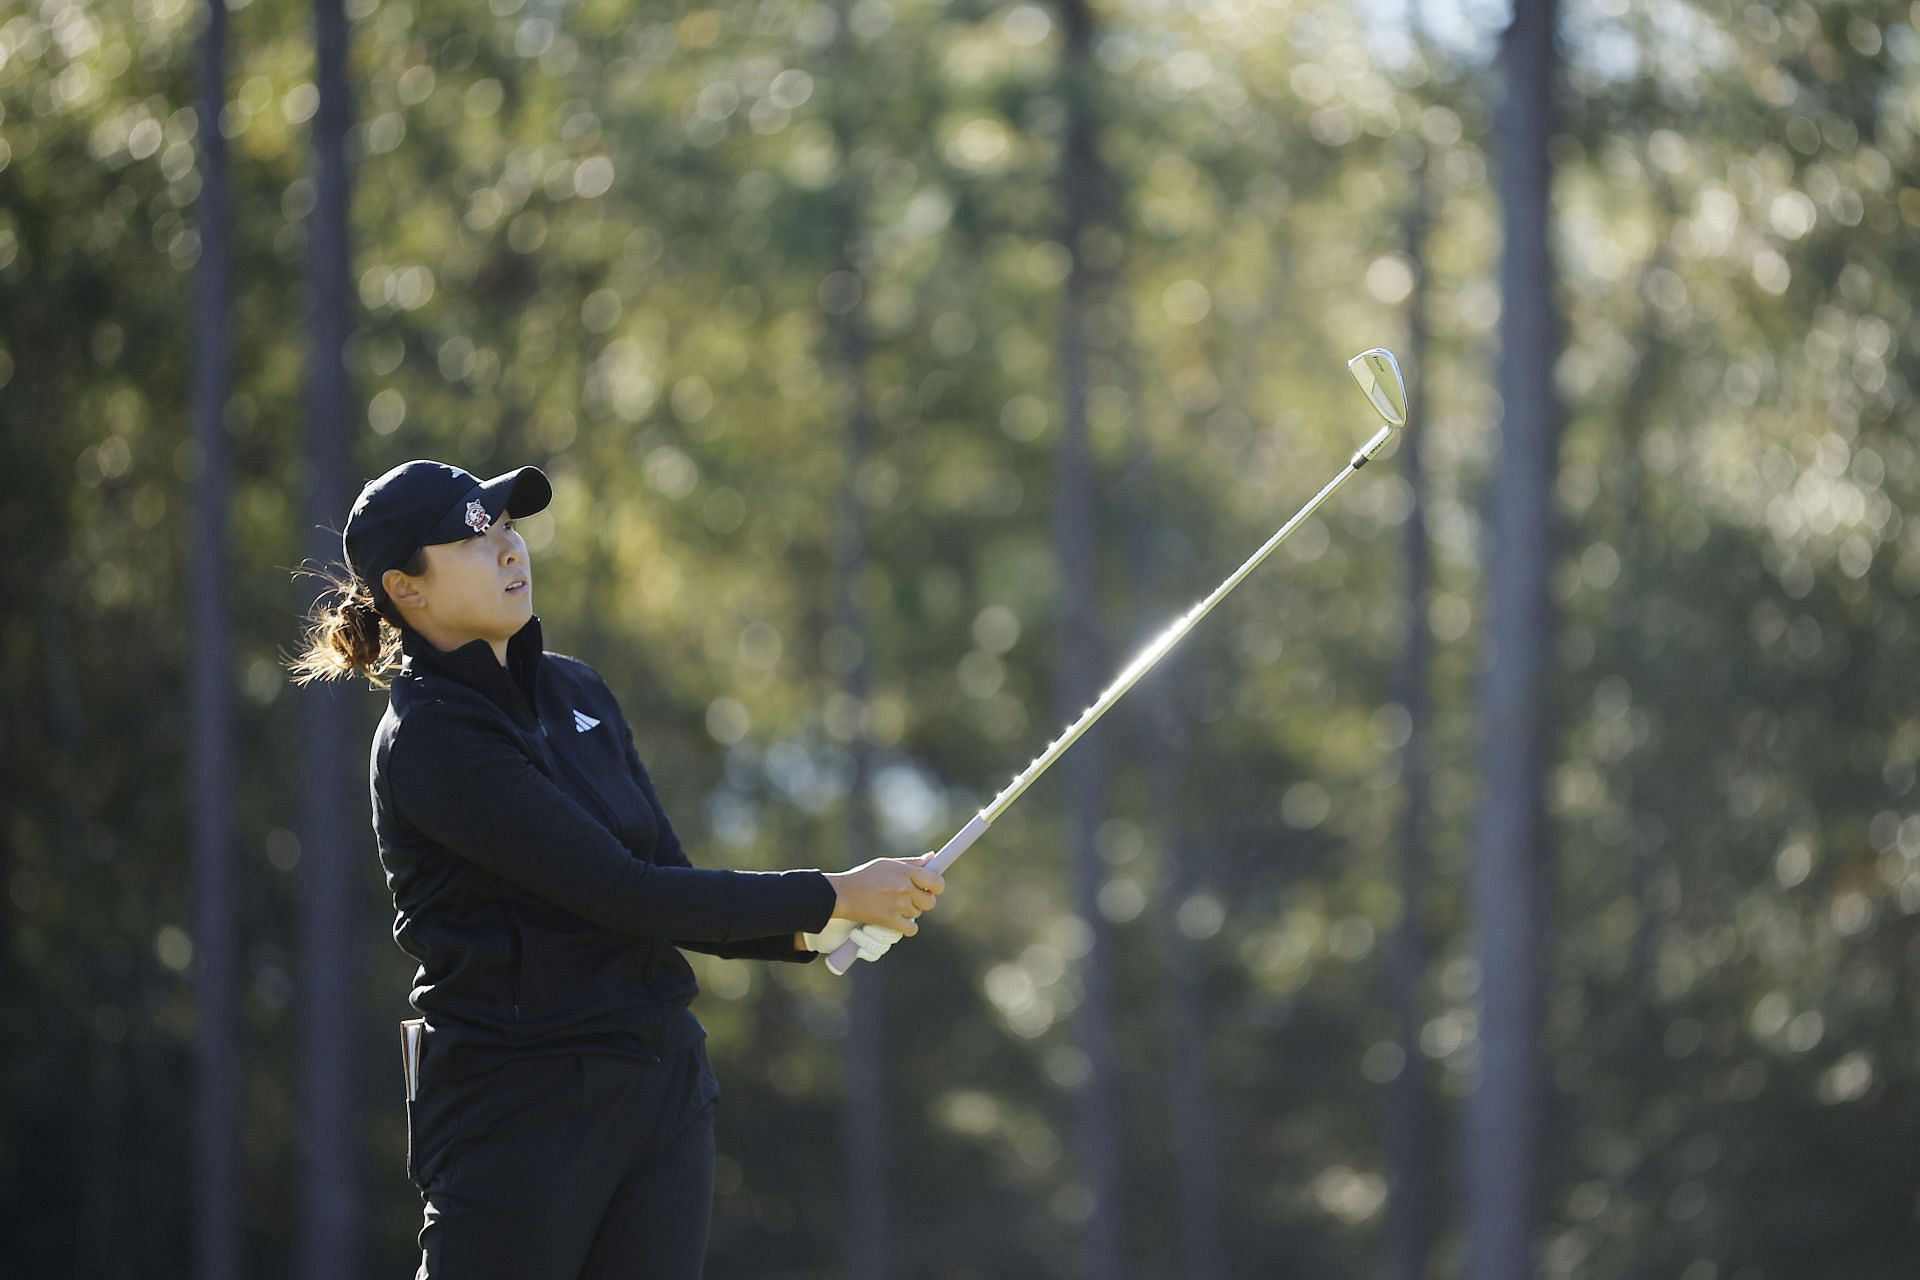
349 632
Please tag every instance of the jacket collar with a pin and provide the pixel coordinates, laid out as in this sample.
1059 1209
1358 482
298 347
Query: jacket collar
510 687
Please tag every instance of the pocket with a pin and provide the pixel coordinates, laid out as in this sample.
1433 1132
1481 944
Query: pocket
444 1113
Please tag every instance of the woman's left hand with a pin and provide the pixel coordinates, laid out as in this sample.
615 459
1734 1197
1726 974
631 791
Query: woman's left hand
873 940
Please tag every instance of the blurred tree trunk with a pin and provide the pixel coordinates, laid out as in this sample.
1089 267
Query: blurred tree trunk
1505 1115
1410 1119
218 1193
868 1247
1162 745
1642 1028
329 1222
1080 654
1639 580
101 1246
1196 1155
866 1116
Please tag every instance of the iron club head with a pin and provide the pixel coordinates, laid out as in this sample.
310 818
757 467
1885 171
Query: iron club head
1378 374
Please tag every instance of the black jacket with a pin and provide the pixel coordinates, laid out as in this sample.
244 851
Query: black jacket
535 876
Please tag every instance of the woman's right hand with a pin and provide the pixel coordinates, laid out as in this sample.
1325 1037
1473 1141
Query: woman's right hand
887 891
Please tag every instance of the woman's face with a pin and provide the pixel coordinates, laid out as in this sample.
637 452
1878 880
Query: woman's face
478 588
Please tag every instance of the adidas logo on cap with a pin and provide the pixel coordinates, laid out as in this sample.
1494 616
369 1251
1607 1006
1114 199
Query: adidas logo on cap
583 722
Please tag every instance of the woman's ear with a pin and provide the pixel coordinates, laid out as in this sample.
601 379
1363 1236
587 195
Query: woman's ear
402 589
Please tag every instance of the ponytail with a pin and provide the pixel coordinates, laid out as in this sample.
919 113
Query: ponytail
347 634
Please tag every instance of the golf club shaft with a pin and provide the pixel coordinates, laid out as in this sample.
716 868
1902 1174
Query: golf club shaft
842 958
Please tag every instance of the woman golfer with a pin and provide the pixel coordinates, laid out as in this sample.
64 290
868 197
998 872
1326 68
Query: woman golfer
563 1120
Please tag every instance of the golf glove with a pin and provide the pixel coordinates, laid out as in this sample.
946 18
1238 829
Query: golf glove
873 940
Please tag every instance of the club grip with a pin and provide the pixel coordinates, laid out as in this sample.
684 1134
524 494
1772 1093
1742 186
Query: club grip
842 957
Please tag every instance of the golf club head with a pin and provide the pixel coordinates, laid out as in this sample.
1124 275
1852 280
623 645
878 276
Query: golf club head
1378 374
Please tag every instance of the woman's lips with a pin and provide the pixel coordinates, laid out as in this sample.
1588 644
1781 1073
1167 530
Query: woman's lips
517 588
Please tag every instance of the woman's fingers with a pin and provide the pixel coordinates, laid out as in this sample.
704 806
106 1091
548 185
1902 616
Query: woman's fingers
872 946
888 892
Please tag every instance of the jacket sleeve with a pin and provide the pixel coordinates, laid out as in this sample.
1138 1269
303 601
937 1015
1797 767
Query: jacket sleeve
467 785
669 853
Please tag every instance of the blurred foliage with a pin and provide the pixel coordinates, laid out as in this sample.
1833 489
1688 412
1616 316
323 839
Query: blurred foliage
599 237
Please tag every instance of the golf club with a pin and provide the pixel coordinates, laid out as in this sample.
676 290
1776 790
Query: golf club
1378 374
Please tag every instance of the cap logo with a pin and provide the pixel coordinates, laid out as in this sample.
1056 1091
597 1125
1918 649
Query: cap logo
477 517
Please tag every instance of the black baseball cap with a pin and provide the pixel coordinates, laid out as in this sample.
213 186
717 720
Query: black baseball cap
420 503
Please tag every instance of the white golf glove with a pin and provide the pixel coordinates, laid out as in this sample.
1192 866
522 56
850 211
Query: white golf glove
873 940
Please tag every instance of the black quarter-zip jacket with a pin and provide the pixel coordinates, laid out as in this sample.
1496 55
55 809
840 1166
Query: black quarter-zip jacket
534 873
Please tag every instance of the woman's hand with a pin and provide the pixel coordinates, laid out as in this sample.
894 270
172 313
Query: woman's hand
871 941
888 892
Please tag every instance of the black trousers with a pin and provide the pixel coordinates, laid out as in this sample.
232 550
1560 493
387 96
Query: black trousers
582 1167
